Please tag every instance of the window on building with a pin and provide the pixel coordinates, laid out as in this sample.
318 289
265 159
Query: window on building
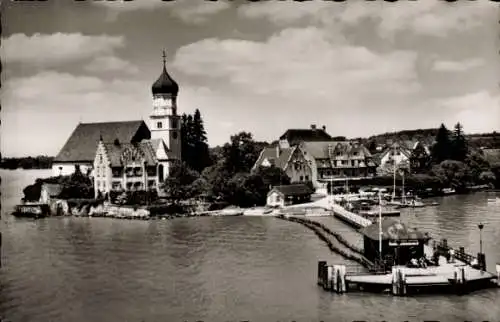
159 125
174 135
307 178
301 178
174 123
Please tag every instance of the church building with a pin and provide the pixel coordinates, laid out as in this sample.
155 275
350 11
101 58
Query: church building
128 155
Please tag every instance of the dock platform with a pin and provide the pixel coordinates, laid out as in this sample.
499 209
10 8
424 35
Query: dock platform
456 275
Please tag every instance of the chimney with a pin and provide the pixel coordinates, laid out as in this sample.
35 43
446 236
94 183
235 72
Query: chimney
313 126
324 128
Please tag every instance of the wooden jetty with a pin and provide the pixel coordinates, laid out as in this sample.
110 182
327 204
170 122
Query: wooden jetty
455 271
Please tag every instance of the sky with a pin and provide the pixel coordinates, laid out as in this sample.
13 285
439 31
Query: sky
359 68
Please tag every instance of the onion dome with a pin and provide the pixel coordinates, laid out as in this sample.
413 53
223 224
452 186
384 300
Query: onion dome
165 84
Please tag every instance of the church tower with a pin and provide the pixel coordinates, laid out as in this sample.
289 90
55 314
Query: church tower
164 121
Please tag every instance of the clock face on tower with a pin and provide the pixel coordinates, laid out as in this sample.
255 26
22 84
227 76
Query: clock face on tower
162 102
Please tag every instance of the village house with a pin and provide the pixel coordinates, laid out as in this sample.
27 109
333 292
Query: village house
291 160
293 137
128 155
338 161
280 196
409 155
317 157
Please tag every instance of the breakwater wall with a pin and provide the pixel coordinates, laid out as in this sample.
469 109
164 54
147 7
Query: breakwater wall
325 234
93 208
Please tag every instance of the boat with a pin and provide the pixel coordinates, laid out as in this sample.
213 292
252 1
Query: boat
494 201
230 211
448 191
256 211
32 210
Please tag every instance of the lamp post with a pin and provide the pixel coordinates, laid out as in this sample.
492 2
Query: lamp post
480 226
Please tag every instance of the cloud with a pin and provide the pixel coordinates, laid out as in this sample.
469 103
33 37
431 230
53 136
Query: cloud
48 50
190 11
50 104
424 17
305 61
477 112
111 63
457 66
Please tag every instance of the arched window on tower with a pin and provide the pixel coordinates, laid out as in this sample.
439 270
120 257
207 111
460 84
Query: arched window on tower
160 172
159 125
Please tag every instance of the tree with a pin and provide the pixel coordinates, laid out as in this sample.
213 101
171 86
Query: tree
454 174
177 184
272 176
195 151
201 152
441 149
459 149
241 153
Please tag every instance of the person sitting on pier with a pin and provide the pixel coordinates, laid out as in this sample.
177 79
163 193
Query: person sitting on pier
422 262
451 256
413 263
475 263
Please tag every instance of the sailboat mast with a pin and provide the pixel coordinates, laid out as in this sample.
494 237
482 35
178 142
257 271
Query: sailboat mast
403 196
394 175
380 225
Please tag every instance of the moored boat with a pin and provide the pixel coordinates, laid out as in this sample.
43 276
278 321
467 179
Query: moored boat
32 210
230 211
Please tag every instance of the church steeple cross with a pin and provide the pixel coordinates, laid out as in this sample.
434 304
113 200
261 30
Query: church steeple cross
164 58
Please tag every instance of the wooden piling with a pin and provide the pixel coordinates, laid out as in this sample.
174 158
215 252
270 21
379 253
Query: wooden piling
498 274
330 270
325 277
342 273
321 264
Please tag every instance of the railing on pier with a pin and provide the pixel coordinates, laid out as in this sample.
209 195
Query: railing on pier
459 254
349 216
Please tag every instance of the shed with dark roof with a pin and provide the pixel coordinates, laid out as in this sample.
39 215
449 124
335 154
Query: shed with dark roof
398 241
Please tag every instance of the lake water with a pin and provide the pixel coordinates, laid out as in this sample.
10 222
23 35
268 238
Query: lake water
213 269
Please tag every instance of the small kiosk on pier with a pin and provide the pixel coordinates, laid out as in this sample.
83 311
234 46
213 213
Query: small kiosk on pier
399 243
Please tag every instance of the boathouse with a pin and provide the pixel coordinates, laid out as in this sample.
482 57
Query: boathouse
289 195
50 191
399 243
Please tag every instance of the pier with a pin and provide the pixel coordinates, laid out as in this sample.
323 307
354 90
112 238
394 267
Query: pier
455 271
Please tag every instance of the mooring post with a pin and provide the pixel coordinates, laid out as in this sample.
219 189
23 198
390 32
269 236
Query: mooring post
330 269
325 277
343 283
335 278
497 268
394 281
402 281
321 264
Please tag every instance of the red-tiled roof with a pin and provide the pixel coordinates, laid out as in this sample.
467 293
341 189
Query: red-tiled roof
82 144
392 229
293 190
